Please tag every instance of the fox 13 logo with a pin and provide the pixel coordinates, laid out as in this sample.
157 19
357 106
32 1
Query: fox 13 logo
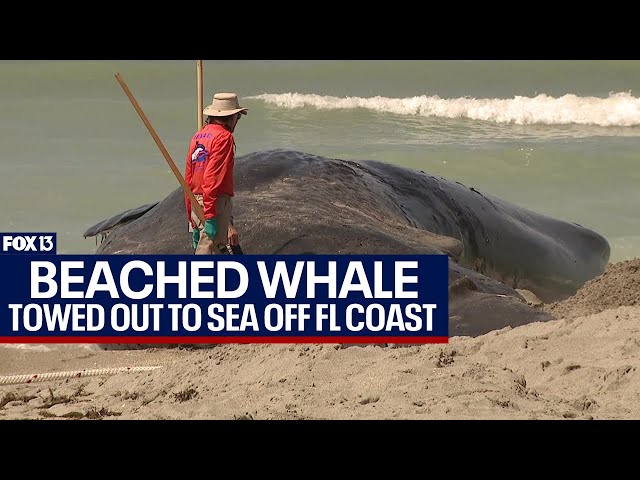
28 243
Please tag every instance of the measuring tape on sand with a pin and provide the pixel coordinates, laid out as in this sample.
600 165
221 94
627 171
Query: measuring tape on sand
44 377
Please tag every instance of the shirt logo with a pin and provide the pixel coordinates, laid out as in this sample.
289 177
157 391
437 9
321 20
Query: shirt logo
199 154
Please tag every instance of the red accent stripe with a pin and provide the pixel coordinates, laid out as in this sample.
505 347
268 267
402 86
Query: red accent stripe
229 339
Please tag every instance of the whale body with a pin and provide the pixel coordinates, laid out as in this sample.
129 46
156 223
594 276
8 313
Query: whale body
290 202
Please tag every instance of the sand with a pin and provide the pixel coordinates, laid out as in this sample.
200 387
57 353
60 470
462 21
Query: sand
584 365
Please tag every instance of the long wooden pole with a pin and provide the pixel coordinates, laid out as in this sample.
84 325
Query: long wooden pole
165 153
200 123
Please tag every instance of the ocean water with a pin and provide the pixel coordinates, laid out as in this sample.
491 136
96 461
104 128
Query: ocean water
559 137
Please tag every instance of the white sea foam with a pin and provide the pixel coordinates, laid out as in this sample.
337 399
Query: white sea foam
620 109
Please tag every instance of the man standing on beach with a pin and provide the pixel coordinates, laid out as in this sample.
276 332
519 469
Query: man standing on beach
209 173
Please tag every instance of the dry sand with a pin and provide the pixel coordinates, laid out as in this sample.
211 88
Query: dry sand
585 365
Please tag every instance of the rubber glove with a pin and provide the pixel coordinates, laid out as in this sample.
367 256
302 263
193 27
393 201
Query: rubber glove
211 228
195 236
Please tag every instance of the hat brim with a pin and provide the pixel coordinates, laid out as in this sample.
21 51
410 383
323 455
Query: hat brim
223 113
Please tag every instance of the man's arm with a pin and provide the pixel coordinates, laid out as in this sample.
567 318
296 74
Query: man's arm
218 164
188 175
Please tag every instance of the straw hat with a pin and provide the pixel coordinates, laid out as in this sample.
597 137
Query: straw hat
224 104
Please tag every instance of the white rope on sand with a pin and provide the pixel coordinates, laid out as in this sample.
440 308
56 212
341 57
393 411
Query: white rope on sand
43 377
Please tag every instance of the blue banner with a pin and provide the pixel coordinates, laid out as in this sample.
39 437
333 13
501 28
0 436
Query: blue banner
224 299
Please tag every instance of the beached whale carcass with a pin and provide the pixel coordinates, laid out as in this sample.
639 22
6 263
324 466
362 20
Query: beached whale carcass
290 202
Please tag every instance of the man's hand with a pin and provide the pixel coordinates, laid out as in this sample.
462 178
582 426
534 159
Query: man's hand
232 236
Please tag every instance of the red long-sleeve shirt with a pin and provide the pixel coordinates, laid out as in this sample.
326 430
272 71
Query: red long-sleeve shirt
209 167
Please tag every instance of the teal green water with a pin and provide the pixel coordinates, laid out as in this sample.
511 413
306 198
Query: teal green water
547 135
